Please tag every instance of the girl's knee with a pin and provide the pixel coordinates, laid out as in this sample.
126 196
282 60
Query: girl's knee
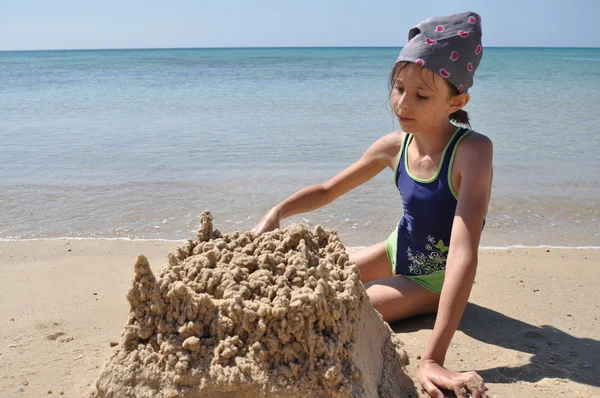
372 262
397 298
350 252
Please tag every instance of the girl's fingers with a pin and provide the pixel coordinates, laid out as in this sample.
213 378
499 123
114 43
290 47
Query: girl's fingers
431 389
475 385
475 393
460 390
481 391
462 384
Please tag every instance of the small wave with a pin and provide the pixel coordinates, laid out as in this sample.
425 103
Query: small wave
486 248
80 238
510 247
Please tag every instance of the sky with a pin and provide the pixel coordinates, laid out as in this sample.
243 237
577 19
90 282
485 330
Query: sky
91 24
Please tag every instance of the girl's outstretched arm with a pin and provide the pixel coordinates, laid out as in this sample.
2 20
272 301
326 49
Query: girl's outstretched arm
379 156
474 163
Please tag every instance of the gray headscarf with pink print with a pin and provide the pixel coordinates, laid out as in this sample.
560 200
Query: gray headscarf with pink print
448 45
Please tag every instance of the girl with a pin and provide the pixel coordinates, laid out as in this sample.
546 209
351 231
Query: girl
444 175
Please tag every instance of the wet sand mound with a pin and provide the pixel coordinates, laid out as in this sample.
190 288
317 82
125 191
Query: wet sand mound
238 315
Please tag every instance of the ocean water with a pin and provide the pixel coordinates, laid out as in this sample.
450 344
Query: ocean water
137 143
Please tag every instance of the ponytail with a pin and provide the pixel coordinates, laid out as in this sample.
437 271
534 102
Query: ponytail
460 117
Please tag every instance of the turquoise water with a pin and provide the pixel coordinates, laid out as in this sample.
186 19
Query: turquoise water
136 143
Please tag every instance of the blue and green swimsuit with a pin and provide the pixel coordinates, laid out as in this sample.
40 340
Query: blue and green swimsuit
418 247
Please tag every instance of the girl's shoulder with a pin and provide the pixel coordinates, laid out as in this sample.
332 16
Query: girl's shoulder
393 140
475 142
389 143
474 149
386 148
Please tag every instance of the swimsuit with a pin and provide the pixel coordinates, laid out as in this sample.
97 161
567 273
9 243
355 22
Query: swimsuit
418 247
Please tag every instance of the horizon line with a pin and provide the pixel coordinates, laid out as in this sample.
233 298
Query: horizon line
263 47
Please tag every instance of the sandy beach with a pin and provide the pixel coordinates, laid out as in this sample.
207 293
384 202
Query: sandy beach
531 328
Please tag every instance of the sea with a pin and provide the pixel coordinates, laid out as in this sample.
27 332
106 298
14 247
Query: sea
135 144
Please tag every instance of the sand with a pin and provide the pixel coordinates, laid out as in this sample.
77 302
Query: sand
241 315
531 328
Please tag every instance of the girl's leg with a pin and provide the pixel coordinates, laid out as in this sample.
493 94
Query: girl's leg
372 262
394 297
397 297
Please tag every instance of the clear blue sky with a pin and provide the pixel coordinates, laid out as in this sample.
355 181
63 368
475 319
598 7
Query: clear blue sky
73 24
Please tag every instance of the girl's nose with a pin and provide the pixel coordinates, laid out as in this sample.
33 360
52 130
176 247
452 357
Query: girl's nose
402 103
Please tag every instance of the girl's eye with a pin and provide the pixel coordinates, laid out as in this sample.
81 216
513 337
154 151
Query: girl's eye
401 90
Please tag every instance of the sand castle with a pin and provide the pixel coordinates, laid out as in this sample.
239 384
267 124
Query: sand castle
239 315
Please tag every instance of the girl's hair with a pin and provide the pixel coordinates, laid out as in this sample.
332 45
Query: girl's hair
460 116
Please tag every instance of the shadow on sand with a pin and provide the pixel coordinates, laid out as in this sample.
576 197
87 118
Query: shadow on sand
556 354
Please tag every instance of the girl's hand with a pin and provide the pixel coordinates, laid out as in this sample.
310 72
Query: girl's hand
433 376
268 223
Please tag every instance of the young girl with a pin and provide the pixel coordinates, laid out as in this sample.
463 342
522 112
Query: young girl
444 175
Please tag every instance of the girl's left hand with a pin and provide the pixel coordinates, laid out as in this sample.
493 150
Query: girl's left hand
432 376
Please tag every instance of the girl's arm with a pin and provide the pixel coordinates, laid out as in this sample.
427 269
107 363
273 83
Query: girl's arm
474 162
379 156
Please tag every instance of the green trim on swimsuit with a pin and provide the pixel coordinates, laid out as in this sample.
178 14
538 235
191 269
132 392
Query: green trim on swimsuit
390 249
398 161
452 164
433 282
440 164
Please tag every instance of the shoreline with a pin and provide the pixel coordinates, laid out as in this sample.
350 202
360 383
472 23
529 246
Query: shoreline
125 239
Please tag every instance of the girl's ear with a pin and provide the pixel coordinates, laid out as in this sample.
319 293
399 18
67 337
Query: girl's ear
457 102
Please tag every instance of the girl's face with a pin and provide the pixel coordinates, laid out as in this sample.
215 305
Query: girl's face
421 99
